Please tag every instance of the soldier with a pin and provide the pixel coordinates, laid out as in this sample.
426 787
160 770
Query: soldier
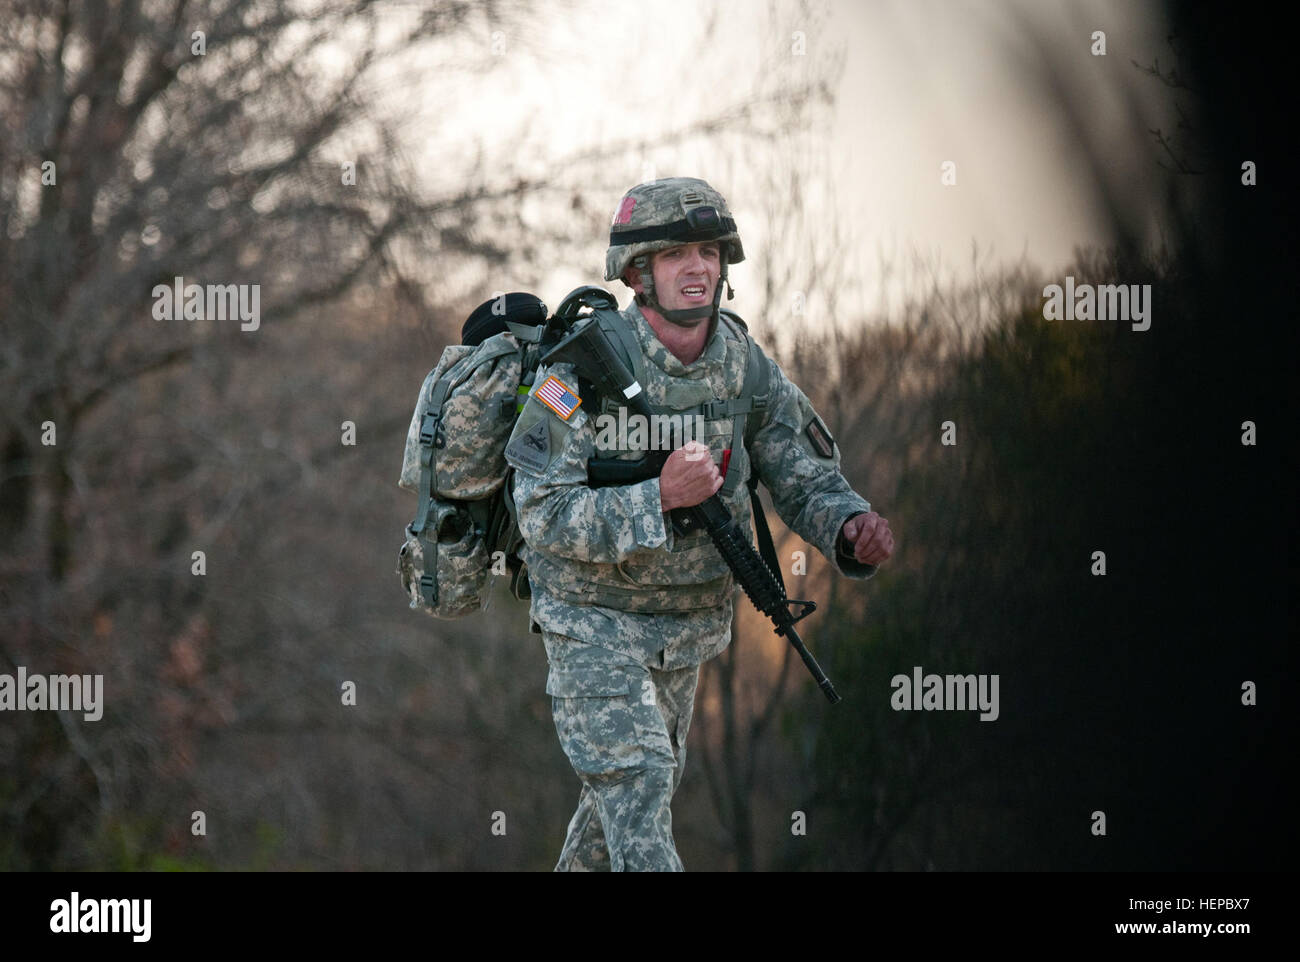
628 608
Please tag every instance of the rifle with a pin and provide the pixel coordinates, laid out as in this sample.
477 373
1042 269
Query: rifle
589 351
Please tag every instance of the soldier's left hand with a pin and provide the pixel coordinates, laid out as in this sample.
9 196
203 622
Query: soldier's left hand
870 536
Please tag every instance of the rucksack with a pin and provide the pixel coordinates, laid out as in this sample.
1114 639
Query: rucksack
465 526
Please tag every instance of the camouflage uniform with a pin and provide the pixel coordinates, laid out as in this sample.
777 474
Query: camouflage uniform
627 609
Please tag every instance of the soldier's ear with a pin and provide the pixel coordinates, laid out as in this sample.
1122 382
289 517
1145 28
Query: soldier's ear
632 278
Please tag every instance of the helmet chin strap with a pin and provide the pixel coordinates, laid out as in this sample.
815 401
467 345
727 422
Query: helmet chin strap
708 312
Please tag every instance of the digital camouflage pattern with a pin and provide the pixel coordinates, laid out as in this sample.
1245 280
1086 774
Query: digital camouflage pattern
459 565
626 554
623 726
682 638
478 416
614 548
627 609
657 203
470 399
621 601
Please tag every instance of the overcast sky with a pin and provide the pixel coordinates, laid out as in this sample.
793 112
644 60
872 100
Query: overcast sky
922 83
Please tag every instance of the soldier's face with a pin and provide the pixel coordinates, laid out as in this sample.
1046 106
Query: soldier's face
685 276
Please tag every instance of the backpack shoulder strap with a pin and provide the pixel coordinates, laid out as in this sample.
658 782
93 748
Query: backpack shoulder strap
756 386
748 410
746 425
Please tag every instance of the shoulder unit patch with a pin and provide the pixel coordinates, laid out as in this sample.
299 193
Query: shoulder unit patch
532 449
820 438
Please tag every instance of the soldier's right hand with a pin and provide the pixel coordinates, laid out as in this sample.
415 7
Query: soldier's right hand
689 477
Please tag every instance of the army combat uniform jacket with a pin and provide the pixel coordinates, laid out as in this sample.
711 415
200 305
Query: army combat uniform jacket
605 565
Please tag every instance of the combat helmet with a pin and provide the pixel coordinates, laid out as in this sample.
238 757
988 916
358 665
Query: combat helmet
667 213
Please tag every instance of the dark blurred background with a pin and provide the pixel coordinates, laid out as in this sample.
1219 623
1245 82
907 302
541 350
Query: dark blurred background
1120 694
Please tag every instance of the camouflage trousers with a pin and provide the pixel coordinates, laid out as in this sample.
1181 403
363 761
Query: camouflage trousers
623 726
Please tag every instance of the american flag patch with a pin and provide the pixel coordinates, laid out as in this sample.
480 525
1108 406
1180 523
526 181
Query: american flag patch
558 398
